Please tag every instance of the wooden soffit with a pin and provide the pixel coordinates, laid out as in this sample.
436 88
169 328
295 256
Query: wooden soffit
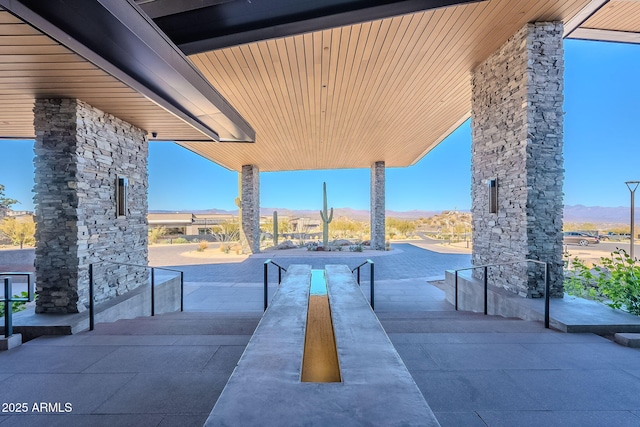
389 89
111 55
614 21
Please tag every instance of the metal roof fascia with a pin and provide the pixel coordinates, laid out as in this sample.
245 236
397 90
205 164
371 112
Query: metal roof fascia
120 39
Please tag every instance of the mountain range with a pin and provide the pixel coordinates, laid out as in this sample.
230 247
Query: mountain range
575 213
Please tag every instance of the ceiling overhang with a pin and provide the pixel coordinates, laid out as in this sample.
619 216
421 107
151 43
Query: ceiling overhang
606 20
329 83
120 39
224 23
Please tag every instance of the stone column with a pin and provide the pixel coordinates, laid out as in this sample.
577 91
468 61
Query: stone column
377 207
80 152
517 128
250 209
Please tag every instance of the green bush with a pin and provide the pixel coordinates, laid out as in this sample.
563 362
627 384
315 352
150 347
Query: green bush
180 240
616 281
619 280
580 281
16 306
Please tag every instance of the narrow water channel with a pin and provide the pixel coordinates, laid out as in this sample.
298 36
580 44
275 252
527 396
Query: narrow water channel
320 360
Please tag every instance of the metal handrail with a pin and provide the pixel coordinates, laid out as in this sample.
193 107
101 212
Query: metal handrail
486 283
266 282
371 279
153 285
8 298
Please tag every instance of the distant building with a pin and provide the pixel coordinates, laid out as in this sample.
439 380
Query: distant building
187 224
190 224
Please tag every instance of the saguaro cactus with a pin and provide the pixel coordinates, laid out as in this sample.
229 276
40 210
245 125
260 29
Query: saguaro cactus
326 219
275 228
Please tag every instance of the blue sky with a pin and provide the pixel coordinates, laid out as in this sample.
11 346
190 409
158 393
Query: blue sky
601 151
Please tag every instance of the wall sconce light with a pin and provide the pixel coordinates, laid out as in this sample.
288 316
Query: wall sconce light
493 195
122 187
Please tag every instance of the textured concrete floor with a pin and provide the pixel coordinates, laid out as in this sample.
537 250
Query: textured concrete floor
473 370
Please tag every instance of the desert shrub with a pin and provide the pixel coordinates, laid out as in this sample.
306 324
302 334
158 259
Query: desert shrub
580 280
16 306
616 281
356 248
180 240
156 233
202 246
619 280
19 232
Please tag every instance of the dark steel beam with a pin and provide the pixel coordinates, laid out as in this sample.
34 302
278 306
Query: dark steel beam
158 8
118 37
244 21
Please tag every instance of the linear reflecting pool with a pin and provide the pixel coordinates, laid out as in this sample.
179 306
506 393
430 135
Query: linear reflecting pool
320 359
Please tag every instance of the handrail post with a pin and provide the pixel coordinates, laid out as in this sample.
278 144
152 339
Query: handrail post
372 286
358 275
486 283
30 290
456 290
266 284
91 308
279 275
546 293
181 290
8 307
153 291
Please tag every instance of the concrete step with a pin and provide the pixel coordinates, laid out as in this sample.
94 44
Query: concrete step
628 339
184 323
452 321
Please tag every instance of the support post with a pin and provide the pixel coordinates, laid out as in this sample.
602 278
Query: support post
456 289
547 271
266 284
517 131
250 209
182 291
153 291
91 303
8 308
372 287
378 232
486 284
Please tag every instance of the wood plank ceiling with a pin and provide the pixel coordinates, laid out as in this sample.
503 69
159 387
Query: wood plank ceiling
389 90
32 65
616 15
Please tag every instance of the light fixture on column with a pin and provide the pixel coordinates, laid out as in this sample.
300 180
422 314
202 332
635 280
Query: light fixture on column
122 187
632 186
493 195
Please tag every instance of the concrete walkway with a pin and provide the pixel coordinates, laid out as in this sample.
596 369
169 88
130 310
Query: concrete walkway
473 370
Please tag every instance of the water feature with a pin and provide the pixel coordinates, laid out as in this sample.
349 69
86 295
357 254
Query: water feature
320 359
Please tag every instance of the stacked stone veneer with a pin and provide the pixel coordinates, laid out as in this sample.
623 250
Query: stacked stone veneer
79 153
517 126
250 209
377 206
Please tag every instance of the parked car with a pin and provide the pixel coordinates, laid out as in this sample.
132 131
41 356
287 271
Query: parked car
583 239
